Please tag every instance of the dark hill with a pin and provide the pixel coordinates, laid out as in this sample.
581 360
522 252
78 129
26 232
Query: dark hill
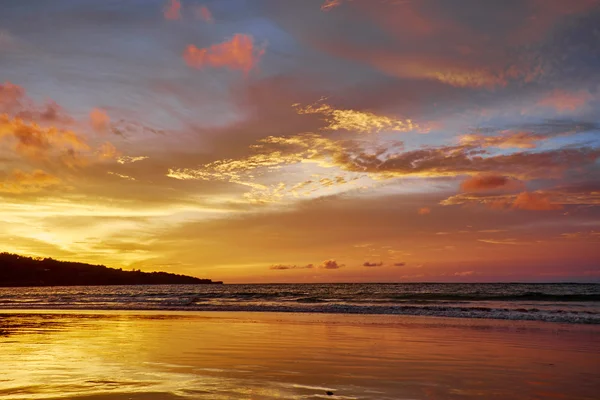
18 270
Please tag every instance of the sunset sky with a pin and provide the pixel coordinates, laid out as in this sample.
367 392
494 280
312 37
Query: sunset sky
304 141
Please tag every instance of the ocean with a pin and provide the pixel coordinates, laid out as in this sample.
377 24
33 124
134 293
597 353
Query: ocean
564 303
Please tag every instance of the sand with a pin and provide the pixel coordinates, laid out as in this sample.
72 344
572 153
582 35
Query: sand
170 355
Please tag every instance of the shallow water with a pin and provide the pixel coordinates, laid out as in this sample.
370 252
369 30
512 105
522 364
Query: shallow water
175 355
565 303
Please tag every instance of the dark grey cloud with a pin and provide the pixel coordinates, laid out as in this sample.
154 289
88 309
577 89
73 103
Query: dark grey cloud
372 264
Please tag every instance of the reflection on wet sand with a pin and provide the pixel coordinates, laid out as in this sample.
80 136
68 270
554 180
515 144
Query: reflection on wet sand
134 355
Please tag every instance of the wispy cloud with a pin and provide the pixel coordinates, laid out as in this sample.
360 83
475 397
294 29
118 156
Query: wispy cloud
286 267
501 241
356 121
126 177
330 4
563 101
131 159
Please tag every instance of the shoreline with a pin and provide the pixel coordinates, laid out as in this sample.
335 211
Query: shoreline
377 319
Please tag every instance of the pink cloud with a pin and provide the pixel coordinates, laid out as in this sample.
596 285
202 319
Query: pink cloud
239 53
204 14
562 101
172 10
535 202
99 119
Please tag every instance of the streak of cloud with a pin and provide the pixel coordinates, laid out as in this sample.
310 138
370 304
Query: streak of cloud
356 121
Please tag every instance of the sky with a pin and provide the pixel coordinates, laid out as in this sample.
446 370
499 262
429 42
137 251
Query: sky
304 141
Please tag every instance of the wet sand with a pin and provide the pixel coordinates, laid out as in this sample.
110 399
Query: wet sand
187 355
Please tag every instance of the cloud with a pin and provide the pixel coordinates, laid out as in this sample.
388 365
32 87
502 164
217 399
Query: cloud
108 151
172 10
100 120
18 181
372 264
130 159
589 235
535 202
273 153
126 177
330 4
459 160
287 267
238 53
506 140
541 200
488 182
15 102
204 14
37 142
11 96
424 211
464 273
501 241
563 101
356 121
330 264
399 264
50 112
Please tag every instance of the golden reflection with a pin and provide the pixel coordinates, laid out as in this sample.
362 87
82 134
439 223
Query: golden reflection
274 356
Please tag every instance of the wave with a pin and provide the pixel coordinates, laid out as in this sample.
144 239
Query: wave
531 314
303 297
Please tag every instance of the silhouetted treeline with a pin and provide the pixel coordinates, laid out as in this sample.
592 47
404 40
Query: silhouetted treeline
18 270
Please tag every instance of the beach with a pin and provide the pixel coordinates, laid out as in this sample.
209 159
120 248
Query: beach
52 354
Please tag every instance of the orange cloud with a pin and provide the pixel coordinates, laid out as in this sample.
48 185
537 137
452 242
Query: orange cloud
424 211
23 182
487 182
534 202
99 119
172 10
35 141
239 53
108 151
562 101
506 140
446 71
204 14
